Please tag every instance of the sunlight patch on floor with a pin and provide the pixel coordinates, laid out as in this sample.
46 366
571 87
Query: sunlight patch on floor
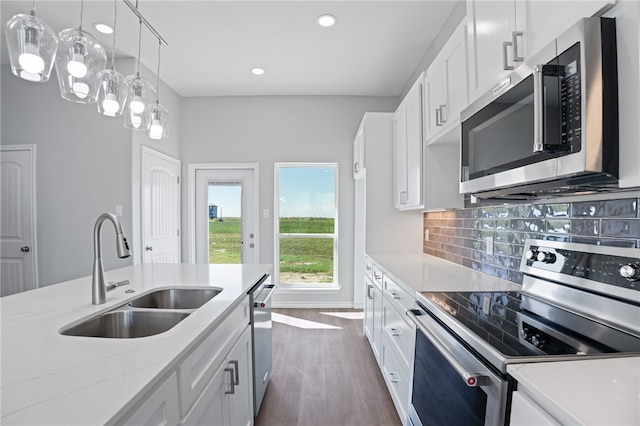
346 315
301 323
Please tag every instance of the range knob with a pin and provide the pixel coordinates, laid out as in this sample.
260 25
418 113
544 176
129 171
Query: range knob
630 271
531 254
546 257
537 341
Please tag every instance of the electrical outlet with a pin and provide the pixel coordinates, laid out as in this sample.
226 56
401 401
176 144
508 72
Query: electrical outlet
486 305
426 235
489 245
265 213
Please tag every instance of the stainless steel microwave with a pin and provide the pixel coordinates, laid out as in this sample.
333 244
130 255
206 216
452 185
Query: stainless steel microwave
552 126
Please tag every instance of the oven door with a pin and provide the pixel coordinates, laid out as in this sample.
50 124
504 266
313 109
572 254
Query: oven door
451 386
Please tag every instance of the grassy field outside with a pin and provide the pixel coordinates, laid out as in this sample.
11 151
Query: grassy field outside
302 260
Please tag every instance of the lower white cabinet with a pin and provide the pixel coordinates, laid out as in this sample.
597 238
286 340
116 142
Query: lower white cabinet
373 316
211 385
525 412
228 398
160 407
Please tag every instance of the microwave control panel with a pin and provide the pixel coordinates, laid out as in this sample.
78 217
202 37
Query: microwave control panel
571 98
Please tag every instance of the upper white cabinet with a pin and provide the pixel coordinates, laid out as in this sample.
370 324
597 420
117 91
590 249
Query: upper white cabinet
407 144
358 152
445 87
502 35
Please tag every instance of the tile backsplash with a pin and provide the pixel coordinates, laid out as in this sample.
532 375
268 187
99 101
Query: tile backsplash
461 235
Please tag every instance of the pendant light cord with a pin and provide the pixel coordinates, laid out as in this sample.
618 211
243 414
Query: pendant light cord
115 21
139 42
158 74
33 7
81 13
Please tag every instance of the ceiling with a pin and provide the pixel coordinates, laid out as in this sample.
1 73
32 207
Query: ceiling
373 49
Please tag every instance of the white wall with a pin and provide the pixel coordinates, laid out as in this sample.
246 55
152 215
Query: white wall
83 168
270 129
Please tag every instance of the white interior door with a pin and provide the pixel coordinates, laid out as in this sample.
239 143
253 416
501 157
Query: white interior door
160 207
216 190
18 261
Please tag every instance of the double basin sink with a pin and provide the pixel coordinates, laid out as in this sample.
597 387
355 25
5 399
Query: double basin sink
147 315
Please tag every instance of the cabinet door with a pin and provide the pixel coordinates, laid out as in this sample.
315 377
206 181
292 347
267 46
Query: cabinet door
414 145
241 396
525 412
377 322
490 24
369 309
158 408
212 407
400 156
358 152
434 101
454 72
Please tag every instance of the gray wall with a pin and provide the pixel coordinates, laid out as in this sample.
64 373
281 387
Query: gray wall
83 168
270 129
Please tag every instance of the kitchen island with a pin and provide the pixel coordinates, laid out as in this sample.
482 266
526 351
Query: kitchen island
49 378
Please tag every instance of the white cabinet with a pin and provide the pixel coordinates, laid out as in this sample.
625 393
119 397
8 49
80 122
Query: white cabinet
159 407
373 317
525 412
358 152
445 89
407 143
504 34
228 398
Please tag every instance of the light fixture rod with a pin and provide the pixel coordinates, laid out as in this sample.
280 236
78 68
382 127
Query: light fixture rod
145 22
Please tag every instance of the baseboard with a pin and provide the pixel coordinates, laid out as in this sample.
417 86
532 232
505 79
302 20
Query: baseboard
312 304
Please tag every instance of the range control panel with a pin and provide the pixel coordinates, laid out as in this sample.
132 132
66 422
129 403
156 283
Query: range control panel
615 266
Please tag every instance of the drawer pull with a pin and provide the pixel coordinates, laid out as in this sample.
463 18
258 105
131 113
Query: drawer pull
368 267
232 381
396 295
395 332
376 276
393 377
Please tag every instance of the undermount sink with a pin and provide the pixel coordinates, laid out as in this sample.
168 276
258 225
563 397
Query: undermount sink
147 315
126 324
175 298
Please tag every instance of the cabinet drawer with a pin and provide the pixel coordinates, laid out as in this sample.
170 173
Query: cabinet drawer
377 276
368 268
400 334
397 382
395 293
200 366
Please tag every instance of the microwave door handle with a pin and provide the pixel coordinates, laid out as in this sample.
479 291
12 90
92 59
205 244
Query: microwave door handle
538 109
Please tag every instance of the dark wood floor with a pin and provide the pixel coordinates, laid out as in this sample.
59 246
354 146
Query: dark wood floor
324 377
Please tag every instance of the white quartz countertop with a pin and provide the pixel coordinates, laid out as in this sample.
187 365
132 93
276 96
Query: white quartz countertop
51 379
586 392
423 272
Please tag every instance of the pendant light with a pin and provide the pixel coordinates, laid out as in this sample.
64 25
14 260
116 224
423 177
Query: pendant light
79 63
159 116
32 46
113 90
140 95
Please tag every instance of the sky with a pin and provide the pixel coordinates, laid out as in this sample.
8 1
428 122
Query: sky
304 192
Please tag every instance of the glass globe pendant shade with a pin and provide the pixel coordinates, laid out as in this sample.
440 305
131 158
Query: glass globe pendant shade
112 96
158 127
140 96
32 47
80 64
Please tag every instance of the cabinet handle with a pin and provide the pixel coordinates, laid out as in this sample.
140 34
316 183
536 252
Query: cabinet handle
356 167
443 120
393 377
438 121
232 382
516 56
376 276
369 288
236 376
395 332
505 45
395 295
404 197
368 267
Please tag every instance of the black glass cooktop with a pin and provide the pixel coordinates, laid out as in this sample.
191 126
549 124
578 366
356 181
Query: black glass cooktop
518 325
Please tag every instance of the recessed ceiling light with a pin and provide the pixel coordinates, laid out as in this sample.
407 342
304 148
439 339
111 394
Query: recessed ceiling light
103 28
326 20
257 71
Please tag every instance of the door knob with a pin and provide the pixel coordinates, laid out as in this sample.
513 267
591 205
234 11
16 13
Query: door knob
149 248
251 245
25 249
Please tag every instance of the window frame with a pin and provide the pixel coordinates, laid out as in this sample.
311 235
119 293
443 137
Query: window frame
333 286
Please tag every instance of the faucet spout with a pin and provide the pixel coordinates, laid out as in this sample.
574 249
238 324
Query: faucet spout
98 285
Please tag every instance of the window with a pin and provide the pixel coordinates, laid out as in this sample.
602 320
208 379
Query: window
306 224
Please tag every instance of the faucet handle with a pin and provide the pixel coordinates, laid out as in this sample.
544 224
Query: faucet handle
111 285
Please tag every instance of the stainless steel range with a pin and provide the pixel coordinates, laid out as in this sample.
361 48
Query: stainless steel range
576 301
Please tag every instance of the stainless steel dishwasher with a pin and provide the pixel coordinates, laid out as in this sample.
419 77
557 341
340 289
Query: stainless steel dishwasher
260 300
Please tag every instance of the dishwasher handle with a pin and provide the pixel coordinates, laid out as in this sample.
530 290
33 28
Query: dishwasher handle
263 302
470 379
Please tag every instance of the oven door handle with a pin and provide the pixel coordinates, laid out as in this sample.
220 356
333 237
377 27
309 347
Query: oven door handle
470 379
264 301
